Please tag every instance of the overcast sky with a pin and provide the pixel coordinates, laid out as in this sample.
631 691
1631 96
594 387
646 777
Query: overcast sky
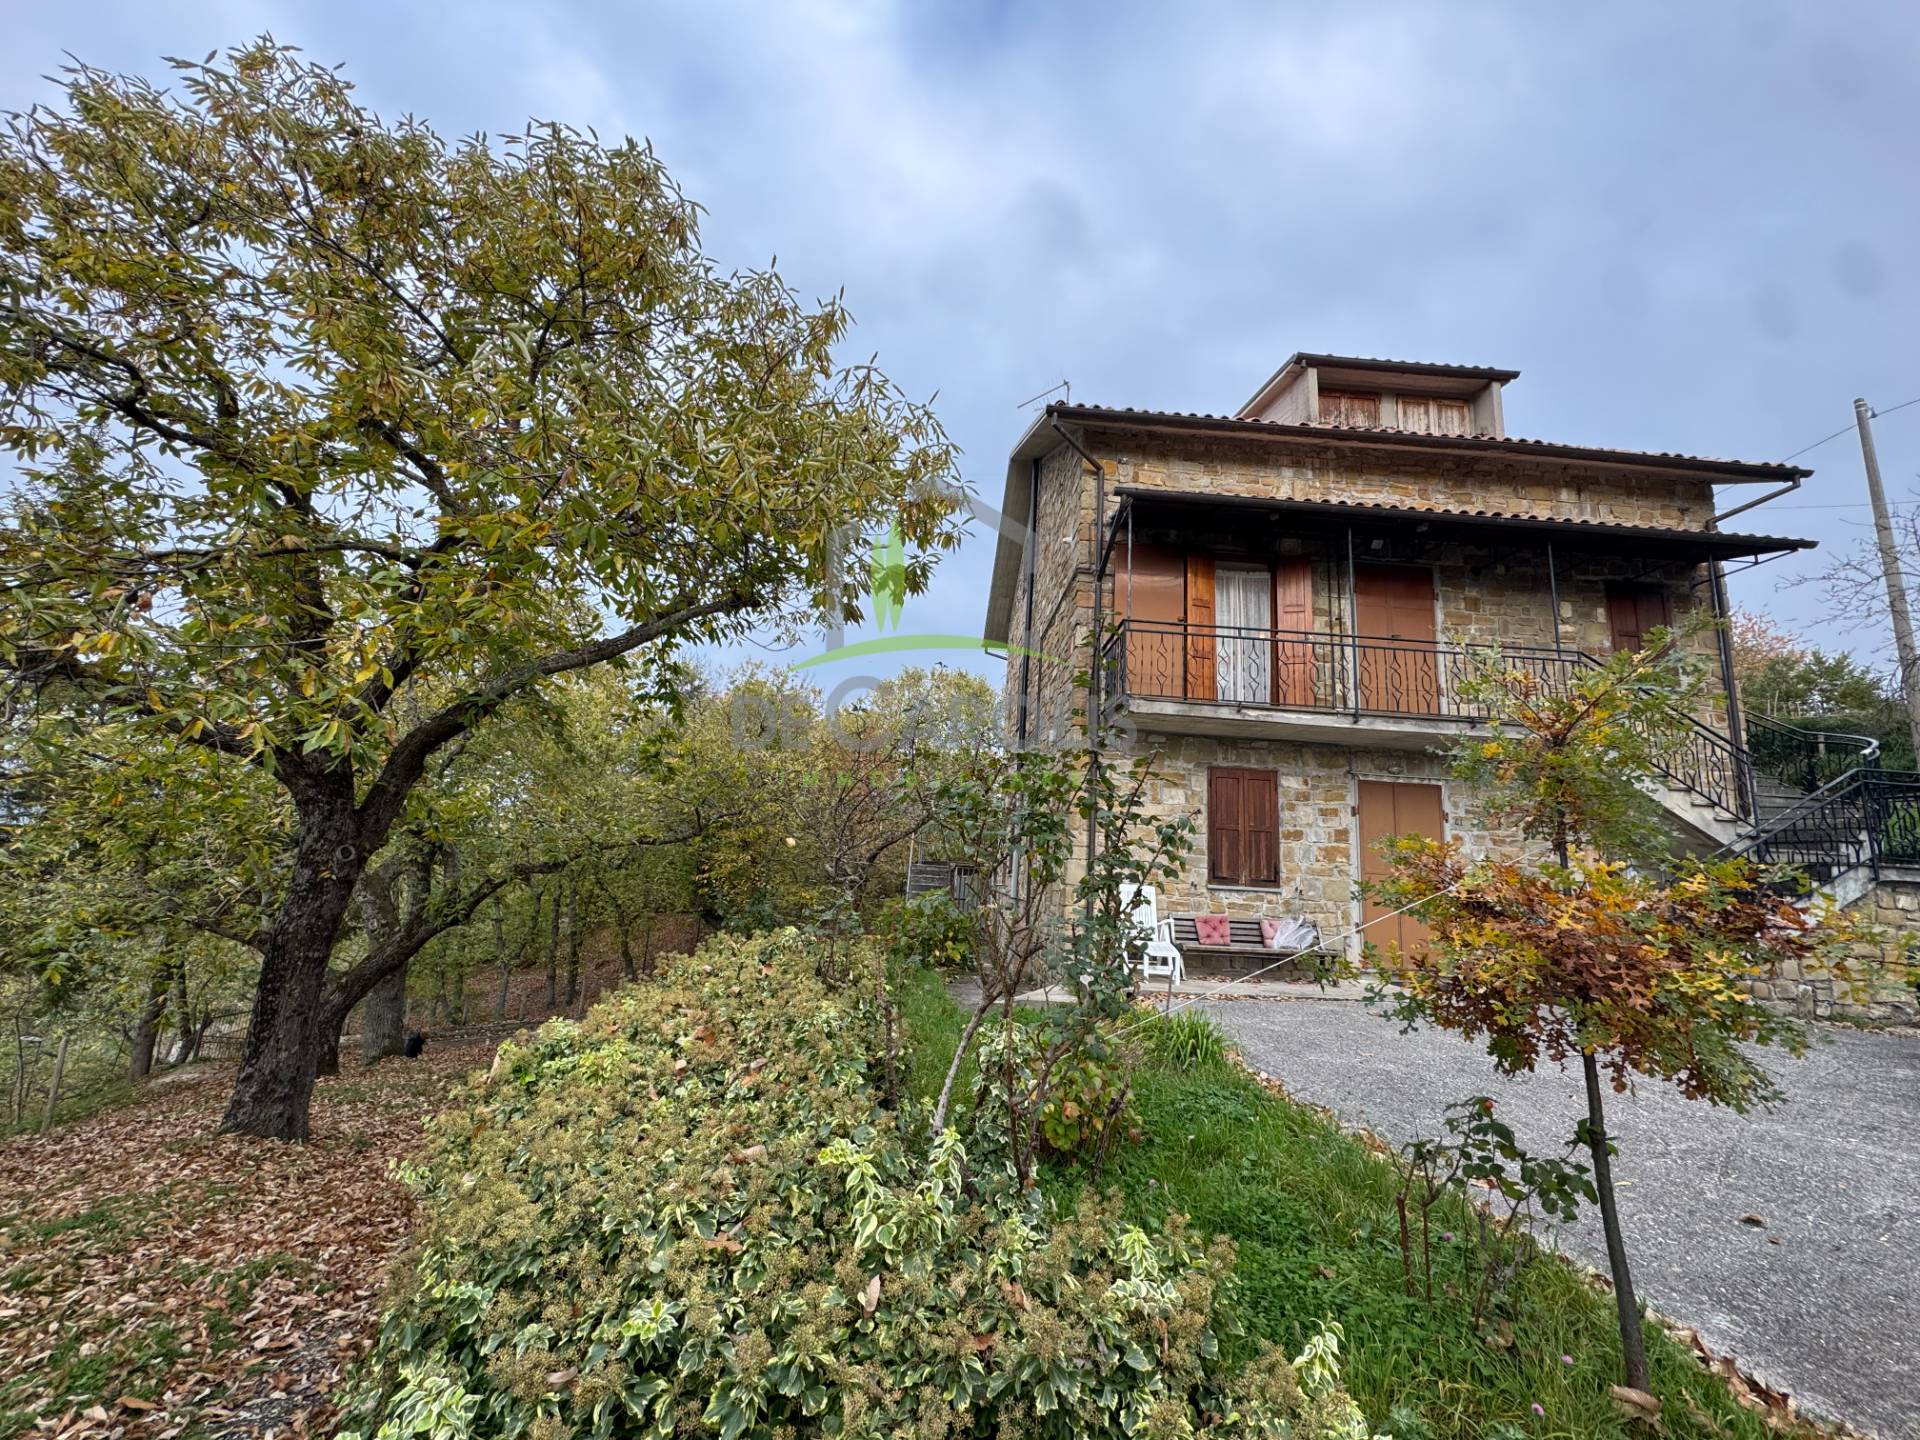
1690 227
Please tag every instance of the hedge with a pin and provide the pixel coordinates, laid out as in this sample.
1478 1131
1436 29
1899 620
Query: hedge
690 1214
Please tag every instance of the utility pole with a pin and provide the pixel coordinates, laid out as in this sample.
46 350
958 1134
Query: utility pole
1896 580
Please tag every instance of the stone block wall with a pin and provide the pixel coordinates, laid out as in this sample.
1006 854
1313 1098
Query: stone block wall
1318 852
1511 485
1881 990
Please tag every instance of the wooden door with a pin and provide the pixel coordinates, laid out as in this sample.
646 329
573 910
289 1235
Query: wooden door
1633 612
1399 669
1293 659
1392 808
1200 631
1154 594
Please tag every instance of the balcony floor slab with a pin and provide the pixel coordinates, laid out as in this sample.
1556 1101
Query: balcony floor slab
1230 719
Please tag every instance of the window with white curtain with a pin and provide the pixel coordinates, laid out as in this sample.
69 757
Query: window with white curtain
1244 609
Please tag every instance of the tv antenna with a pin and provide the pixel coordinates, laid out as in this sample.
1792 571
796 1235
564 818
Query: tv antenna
1065 385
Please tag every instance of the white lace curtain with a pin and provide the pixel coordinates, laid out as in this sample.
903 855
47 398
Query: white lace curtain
1243 603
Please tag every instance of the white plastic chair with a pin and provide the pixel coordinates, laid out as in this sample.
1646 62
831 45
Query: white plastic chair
1159 956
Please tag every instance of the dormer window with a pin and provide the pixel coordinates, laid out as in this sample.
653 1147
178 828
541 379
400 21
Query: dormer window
1433 416
1345 407
1354 393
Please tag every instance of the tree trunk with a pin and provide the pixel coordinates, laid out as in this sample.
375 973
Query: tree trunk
59 1077
553 958
274 1089
179 1010
1633 1350
19 1096
146 1030
326 1042
383 1018
198 1039
500 956
573 947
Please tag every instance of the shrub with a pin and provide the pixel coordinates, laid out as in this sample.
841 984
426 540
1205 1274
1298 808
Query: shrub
687 1214
1185 1040
1088 1095
928 929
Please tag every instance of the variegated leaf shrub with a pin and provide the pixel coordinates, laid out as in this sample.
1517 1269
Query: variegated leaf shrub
687 1214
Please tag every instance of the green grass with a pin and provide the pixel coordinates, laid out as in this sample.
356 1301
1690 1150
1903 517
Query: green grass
1312 1213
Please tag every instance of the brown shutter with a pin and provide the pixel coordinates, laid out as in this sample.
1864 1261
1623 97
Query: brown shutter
1632 612
1243 818
1226 830
1260 809
1153 588
1200 631
1293 611
1399 670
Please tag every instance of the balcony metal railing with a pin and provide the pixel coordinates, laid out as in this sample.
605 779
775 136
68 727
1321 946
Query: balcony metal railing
1361 675
1303 670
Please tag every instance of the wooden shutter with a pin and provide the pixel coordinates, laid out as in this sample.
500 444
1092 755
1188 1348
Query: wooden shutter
1154 592
1399 667
1260 804
1200 631
1293 611
1632 612
1243 819
1339 407
1414 414
1452 417
1226 827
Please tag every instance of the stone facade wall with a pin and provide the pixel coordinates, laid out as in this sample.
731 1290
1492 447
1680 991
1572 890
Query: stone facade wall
1062 606
1881 989
1546 488
1485 593
1318 854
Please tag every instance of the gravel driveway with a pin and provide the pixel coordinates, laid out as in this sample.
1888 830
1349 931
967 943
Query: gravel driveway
1823 1301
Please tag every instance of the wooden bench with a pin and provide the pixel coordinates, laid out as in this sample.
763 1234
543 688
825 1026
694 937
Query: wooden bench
1245 952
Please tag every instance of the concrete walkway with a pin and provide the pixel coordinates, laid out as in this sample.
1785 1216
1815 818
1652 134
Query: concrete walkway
1821 1300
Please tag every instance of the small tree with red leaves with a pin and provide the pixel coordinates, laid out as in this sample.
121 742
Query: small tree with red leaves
1632 968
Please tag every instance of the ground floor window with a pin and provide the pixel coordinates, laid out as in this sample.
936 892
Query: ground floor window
1243 821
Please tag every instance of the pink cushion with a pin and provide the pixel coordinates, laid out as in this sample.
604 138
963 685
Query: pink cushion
1213 929
1269 928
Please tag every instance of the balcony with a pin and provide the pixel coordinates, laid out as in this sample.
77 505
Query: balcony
1389 694
1294 684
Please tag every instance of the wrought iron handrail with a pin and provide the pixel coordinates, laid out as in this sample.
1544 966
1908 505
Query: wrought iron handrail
1376 677
1865 817
1806 759
1370 675
1703 762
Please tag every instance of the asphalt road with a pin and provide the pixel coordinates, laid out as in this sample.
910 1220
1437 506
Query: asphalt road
1830 1313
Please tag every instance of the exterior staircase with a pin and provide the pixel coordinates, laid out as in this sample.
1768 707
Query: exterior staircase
1814 800
1820 802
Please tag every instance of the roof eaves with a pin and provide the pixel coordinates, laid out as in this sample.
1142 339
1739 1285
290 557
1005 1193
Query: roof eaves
1730 470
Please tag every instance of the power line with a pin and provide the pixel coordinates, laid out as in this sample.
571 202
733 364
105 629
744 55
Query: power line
1846 429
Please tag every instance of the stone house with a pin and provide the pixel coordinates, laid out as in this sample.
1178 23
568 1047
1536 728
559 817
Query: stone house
1280 603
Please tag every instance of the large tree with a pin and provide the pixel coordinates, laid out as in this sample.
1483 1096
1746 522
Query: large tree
334 438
